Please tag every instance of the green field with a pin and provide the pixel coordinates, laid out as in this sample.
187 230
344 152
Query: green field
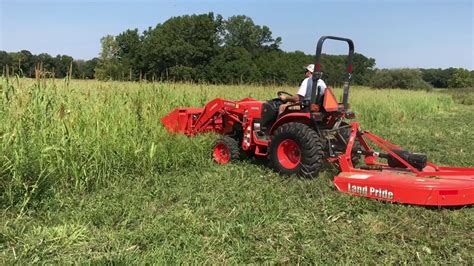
88 173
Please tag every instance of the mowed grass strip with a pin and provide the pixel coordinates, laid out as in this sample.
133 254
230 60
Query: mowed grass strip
90 174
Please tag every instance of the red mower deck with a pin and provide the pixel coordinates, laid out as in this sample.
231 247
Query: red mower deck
432 186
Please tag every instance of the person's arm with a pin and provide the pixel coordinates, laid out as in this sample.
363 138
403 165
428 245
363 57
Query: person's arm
294 98
299 95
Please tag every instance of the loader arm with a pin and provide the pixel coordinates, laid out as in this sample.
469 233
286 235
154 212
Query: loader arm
216 107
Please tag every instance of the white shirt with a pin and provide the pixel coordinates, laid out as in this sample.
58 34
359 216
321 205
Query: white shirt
304 84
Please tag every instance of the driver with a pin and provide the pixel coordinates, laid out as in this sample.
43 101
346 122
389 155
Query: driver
304 89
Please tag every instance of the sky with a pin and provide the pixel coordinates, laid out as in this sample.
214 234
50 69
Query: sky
397 33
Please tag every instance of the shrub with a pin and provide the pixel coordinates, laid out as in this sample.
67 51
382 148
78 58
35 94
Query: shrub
399 78
461 78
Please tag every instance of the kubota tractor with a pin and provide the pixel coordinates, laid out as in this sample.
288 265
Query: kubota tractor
314 131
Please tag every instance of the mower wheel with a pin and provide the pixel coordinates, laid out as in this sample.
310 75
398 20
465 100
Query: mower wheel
295 148
225 150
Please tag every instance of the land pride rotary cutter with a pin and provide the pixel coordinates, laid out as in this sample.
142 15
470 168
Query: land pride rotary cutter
315 131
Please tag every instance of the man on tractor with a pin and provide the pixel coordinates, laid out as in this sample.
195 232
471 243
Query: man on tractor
304 92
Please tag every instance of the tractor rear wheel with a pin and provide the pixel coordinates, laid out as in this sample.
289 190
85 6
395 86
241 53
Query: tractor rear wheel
295 148
225 150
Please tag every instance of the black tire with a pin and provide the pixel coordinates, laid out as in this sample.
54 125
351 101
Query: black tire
310 150
232 146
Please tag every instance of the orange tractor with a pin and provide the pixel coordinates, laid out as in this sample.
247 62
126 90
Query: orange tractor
314 131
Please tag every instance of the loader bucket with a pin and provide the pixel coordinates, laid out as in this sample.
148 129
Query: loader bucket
180 120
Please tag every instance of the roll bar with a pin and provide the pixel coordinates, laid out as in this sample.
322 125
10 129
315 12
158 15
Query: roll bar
317 69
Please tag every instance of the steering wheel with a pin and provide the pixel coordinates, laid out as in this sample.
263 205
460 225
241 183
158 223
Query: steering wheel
283 92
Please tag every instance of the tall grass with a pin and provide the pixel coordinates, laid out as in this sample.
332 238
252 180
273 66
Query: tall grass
74 137
77 135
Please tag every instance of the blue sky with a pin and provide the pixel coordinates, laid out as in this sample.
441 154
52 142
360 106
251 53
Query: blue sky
397 33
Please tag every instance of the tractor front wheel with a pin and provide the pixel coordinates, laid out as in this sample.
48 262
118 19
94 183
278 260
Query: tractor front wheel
295 148
225 150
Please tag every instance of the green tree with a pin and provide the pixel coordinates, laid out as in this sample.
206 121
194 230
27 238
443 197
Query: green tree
186 41
129 52
399 78
5 61
296 62
109 66
85 69
240 31
363 69
48 63
282 67
461 78
62 64
22 63
272 67
233 65
438 78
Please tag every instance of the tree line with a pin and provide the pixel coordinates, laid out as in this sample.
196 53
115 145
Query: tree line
209 48
26 64
212 49
422 78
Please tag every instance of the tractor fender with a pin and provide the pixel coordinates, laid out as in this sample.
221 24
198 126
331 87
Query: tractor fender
304 118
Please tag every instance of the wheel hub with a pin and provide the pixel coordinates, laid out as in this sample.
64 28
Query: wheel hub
289 154
221 153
